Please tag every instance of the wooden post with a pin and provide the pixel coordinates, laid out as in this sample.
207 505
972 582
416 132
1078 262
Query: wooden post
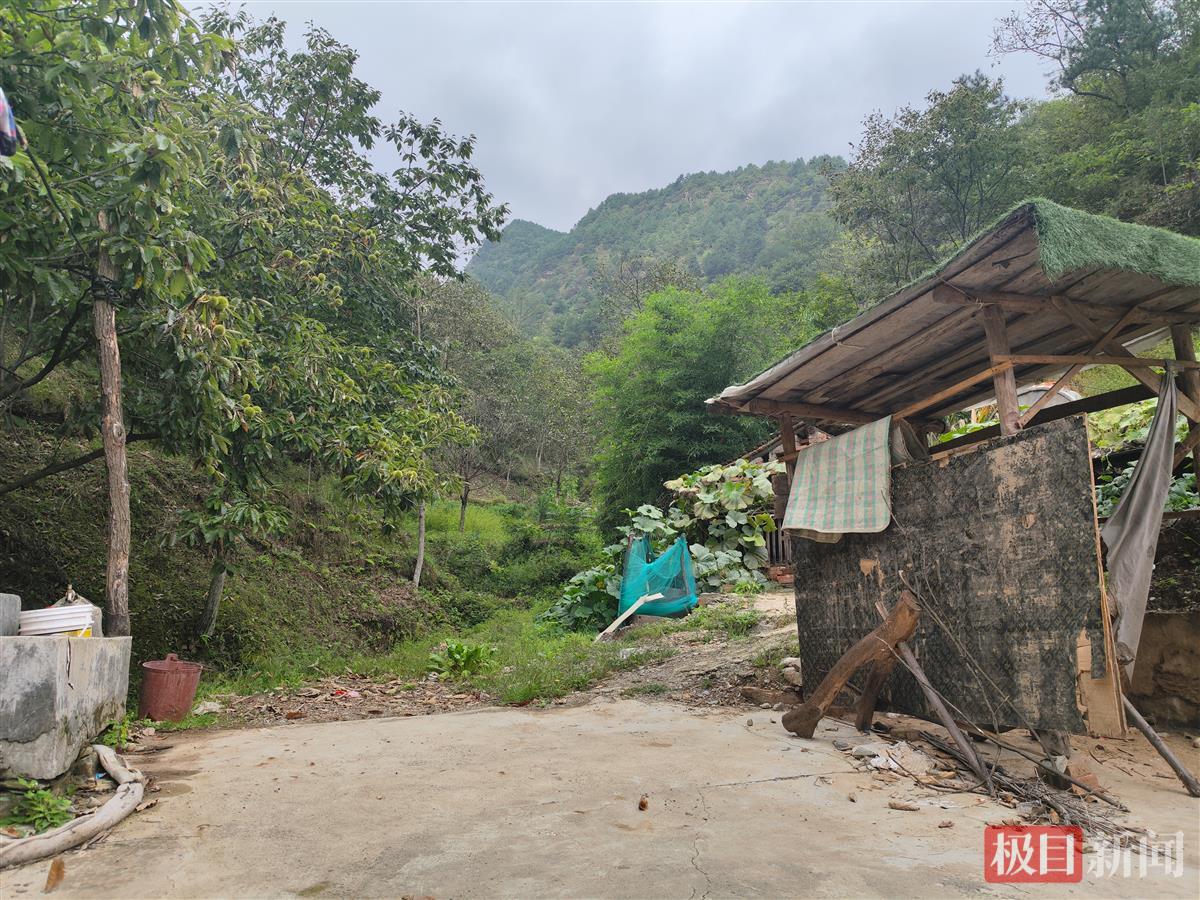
1184 339
1005 382
112 433
787 440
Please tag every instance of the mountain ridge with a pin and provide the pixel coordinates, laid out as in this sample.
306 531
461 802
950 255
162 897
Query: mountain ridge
768 220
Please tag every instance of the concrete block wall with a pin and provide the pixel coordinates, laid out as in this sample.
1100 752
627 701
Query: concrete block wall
56 695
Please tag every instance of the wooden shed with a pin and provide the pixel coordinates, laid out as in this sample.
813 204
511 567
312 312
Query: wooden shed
1001 523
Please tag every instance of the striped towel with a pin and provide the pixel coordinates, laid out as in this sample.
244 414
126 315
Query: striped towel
843 485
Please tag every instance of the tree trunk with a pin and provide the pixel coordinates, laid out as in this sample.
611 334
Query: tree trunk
462 509
416 580
112 432
212 603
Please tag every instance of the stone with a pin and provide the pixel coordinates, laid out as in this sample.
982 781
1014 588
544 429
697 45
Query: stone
208 706
59 694
10 614
793 677
791 662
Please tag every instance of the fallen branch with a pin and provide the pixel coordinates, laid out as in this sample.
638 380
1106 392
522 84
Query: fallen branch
1188 779
131 787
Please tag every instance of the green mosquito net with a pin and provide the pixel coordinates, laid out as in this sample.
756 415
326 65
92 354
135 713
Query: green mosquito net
670 574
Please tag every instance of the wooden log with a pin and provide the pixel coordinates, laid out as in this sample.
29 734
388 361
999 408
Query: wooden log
899 626
1188 779
1005 382
864 710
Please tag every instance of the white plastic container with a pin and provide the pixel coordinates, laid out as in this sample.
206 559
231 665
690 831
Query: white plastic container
74 620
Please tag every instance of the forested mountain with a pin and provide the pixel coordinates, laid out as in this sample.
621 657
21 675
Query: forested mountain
767 220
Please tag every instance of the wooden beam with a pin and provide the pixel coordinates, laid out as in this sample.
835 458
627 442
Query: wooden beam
1068 307
802 410
1084 359
1108 400
947 392
1005 382
1186 446
1066 377
1184 340
1038 303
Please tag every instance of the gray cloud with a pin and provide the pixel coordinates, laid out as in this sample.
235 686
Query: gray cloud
573 102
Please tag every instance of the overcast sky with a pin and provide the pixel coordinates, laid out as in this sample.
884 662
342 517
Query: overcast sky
571 102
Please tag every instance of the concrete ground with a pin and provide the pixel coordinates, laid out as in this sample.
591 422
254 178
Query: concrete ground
504 802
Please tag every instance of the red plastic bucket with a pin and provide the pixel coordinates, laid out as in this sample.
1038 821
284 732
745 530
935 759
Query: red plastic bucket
168 688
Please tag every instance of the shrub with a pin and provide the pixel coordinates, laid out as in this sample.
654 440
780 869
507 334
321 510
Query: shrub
39 808
456 659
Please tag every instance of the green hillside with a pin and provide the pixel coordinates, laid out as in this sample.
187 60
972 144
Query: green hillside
766 220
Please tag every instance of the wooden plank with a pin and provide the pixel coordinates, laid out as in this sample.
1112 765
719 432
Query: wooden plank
634 607
1005 382
807 411
885 361
952 390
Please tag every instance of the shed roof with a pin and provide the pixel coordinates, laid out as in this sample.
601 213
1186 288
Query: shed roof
1129 280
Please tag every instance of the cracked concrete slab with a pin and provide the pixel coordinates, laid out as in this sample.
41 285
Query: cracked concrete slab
505 802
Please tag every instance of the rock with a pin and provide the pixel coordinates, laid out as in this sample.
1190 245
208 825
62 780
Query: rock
149 732
1029 809
903 805
628 652
764 706
790 662
85 767
749 723
945 823
208 706
839 744
865 751
1196 742
793 677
